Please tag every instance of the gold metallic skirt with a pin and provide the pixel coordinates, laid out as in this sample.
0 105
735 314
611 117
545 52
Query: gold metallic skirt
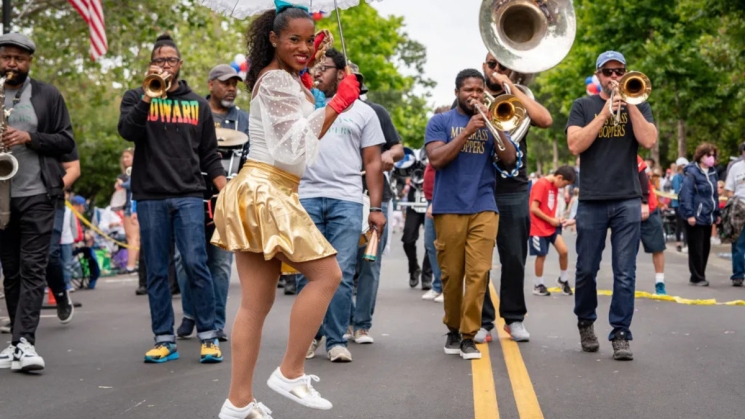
259 211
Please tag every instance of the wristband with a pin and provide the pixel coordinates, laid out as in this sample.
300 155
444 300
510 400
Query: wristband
376 209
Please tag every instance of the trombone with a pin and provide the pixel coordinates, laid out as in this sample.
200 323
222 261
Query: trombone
157 85
633 88
505 113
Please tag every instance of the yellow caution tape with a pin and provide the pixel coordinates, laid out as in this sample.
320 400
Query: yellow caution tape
97 230
674 196
679 300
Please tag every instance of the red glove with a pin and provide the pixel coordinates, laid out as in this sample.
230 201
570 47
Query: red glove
319 38
348 92
307 80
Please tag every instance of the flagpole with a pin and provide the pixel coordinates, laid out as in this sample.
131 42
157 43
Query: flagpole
6 16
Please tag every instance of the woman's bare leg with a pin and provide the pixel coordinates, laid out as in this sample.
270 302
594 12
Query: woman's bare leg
324 276
132 231
258 288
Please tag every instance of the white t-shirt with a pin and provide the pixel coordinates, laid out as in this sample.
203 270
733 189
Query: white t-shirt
67 237
736 179
107 218
336 172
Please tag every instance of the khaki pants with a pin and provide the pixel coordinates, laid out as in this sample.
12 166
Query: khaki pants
465 244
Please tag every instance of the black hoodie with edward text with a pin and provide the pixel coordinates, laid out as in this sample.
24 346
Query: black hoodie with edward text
175 141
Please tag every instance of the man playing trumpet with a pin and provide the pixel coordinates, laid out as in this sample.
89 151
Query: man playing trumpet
610 197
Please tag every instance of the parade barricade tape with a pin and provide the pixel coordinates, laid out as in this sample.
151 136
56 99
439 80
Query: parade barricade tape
674 196
97 230
679 300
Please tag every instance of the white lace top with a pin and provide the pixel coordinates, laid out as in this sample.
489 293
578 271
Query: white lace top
284 126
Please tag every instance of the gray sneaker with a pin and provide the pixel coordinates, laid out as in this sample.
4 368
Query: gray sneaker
452 345
621 348
587 337
339 354
312 349
517 331
483 336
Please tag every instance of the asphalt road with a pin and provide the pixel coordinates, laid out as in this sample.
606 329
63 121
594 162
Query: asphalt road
688 359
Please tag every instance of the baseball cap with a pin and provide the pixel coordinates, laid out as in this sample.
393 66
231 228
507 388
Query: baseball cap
79 200
360 78
609 56
224 72
18 40
682 161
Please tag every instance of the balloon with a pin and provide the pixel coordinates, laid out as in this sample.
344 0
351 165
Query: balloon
317 16
598 88
588 80
236 66
243 66
239 58
591 89
595 79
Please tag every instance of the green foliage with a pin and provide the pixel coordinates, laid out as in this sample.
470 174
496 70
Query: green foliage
93 90
692 50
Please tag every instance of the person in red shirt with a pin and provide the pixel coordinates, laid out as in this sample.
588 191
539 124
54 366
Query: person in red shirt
545 227
652 230
435 294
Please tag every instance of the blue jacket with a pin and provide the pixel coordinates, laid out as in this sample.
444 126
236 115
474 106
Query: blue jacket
677 184
698 196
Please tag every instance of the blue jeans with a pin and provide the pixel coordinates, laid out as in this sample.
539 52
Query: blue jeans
368 282
66 255
340 222
429 244
219 262
738 257
183 219
623 217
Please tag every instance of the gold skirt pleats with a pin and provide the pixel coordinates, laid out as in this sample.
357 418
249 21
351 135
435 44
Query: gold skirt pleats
259 211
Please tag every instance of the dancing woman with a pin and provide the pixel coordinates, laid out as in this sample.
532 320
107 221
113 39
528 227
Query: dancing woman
260 218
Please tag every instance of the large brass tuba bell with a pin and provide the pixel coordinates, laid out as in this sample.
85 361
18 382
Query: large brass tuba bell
157 85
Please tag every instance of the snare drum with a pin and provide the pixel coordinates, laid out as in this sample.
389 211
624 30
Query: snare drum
231 161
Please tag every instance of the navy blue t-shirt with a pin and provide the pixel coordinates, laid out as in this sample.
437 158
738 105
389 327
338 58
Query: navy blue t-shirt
466 185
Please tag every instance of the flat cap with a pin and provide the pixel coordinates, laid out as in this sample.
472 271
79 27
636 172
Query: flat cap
18 40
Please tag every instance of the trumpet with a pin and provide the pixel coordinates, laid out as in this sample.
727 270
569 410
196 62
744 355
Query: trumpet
505 113
157 85
634 88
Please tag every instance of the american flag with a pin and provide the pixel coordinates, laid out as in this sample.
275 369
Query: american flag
92 13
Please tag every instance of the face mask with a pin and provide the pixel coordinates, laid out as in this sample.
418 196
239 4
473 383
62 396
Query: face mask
708 161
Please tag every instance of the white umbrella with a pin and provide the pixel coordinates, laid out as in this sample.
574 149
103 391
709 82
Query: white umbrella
245 8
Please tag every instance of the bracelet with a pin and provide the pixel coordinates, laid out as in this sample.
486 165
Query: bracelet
376 209
519 164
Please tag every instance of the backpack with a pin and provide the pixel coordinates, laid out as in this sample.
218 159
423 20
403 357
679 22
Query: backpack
733 220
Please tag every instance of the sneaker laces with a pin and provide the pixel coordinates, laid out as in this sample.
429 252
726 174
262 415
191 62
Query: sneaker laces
262 408
27 348
307 380
8 351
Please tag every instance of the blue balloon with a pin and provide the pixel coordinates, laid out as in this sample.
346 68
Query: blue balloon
588 80
236 66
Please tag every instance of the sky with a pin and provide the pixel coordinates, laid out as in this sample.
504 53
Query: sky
449 30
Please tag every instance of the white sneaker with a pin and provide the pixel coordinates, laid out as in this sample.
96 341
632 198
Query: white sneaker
517 331
339 354
299 390
362 336
350 333
254 410
716 241
440 298
430 295
312 349
6 356
684 250
483 336
26 359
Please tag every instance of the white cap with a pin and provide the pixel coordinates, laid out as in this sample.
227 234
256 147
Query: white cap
682 161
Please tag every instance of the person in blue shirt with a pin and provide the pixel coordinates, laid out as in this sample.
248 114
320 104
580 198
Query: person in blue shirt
460 149
680 222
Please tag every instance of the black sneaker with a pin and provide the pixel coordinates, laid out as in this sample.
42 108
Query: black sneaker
426 285
587 337
541 290
737 282
414 278
468 350
565 288
621 348
703 283
452 345
65 308
186 329
141 291
221 336
281 282
290 286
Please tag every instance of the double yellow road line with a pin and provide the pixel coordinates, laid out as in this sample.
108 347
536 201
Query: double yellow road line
484 392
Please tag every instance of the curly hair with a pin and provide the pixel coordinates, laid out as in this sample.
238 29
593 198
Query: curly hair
259 48
467 74
164 40
704 149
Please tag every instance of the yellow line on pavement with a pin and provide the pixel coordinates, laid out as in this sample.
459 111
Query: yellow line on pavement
525 397
670 298
484 393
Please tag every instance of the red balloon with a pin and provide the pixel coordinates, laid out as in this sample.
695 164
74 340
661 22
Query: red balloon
591 89
244 66
317 16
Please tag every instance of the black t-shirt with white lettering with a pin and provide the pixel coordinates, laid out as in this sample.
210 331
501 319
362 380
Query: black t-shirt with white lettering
609 169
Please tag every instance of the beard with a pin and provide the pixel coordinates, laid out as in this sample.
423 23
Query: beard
466 107
607 89
493 87
331 89
227 104
18 78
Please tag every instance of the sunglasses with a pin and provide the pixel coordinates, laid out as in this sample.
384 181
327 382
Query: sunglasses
607 72
711 155
494 64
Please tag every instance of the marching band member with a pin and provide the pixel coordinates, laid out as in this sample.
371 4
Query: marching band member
609 197
259 215
460 148
175 142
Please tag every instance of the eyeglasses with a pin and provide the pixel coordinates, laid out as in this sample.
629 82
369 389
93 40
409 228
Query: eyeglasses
607 72
170 60
494 64
324 68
